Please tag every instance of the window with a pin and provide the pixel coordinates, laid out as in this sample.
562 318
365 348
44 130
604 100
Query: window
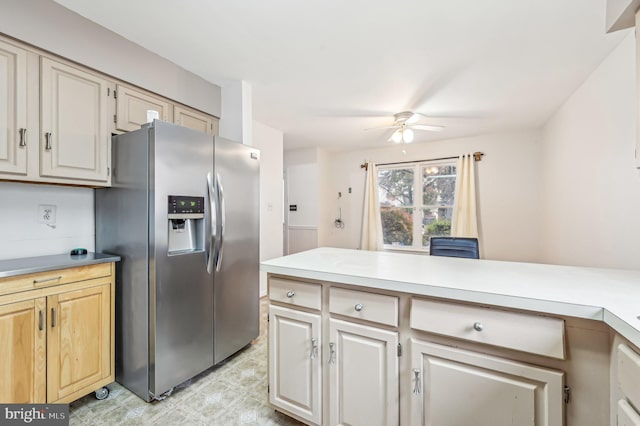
416 202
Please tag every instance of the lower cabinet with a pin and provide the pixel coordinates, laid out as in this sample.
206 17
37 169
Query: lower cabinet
57 341
452 386
23 365
627 362
79 342
295 368
363 371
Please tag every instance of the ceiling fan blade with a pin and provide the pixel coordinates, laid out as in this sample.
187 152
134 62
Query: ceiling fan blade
427 127
394 126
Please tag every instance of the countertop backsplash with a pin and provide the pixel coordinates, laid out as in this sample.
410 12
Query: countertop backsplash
22 233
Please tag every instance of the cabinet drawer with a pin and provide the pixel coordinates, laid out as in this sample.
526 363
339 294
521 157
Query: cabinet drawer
629 373
56 277
363 305
295 293
522 332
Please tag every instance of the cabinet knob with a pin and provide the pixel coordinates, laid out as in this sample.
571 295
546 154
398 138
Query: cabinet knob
290 294
477 326
358 307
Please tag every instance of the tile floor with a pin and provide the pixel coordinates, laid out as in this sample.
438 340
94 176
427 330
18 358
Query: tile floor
234 393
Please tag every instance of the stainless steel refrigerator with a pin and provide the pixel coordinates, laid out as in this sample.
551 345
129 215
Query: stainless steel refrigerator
182 213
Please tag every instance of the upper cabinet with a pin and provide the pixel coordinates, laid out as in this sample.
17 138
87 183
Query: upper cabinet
133 105
195 120
74 116
13 109
133 108
621 14
57 117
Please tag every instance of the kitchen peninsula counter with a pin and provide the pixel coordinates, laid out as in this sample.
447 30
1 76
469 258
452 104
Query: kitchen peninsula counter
608 295
30 265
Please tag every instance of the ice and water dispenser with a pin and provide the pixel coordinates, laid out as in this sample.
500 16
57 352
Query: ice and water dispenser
186 224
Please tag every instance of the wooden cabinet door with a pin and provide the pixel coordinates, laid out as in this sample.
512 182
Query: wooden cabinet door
451 386
23 359
74 132
79 340
363 385
13 109
295 380
132 106
195 120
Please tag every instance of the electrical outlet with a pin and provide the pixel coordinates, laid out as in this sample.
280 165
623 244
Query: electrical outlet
47 214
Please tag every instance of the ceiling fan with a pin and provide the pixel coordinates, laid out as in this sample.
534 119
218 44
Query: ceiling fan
405 123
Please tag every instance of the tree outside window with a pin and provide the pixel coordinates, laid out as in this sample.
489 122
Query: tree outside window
416 203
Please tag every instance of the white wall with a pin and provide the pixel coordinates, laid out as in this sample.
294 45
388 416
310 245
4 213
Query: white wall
591 187
270 142
508 191
302 189
21 234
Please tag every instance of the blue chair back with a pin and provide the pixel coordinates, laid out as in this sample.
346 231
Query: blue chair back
454 247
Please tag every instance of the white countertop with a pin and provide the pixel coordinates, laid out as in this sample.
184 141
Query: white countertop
608 295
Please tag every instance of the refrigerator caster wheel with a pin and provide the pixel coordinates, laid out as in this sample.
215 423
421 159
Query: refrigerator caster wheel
102 393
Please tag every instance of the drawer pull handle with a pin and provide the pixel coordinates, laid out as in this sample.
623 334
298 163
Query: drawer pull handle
358 307
314 348
54 318
416 380
47 279
290 294
41 320
477 326
332 354
47 143
23 137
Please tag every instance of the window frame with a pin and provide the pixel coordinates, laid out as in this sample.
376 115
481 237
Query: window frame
417 206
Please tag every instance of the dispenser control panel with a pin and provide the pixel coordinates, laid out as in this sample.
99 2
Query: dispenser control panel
180 204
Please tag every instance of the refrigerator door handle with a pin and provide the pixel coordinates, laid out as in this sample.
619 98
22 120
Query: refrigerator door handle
212 218
223 215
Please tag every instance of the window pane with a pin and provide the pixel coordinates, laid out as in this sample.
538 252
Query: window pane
439 184
436 222
397 226
396 187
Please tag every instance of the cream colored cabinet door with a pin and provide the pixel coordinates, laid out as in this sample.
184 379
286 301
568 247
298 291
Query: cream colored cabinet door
79 341
132 106
74 133
195 120
295 369
451 386
23 360
626 415
363 371
13 109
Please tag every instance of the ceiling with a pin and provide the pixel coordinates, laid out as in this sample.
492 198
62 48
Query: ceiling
324 71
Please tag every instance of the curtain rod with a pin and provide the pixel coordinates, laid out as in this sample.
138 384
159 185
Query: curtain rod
476 156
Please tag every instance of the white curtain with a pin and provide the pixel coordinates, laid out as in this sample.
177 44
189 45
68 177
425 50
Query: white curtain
371 238
465 218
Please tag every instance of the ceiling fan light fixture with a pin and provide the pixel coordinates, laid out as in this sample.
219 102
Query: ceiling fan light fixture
407 135
397 136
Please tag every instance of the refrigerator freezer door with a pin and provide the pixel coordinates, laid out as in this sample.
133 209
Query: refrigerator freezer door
236 280
181 289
